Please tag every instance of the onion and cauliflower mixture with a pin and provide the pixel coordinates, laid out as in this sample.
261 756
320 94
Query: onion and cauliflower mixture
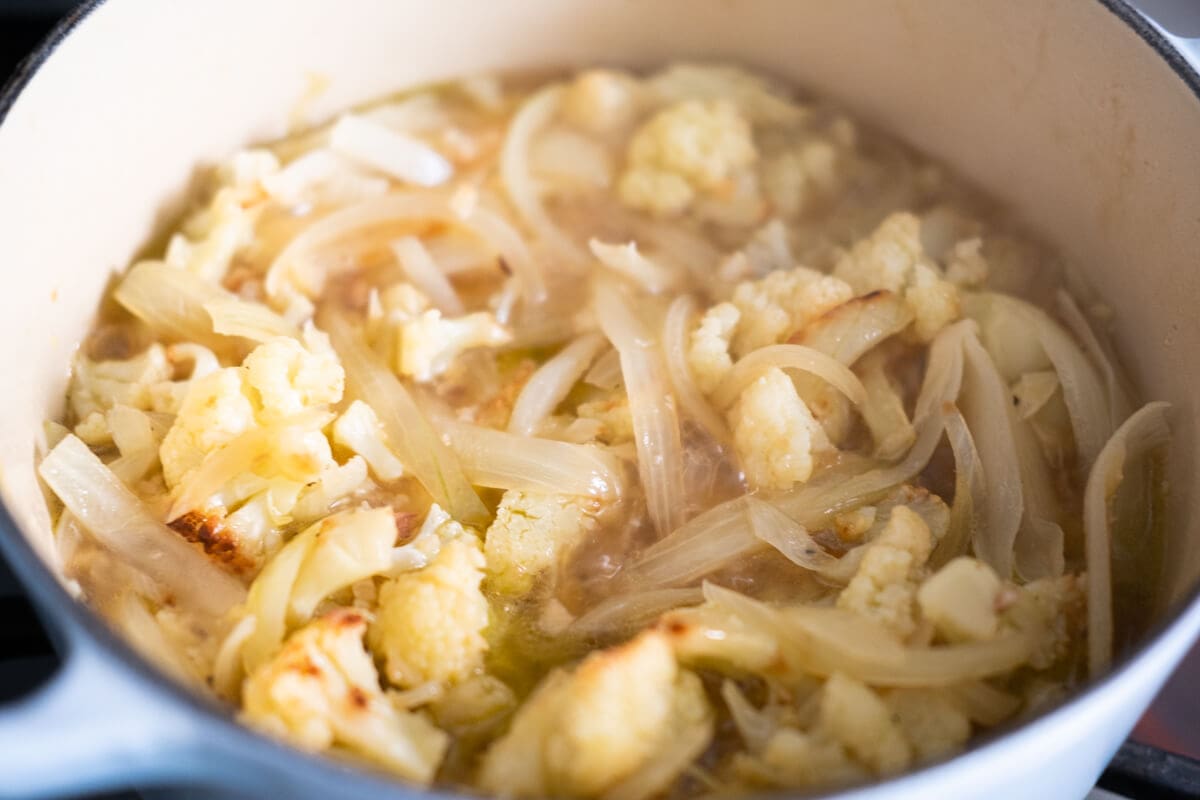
614 437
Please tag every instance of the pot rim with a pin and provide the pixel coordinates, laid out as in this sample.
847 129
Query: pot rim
66 619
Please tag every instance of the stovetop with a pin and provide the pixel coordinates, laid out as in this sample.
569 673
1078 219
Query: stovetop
1146 768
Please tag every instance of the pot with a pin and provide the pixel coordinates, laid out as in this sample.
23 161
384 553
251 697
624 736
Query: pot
1078 113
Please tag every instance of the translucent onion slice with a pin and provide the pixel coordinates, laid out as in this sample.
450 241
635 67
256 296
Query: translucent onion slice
606 372
772 527
547 387
754 726
883 411
822 641
171 301
113 514
706 543
943 369
816 503
1120 403
502 460
232 316
517 176
358 546
626 261
970 494
627 613
788 356
393 153
651 405
300 263
1144 431
851 329
425 274
408 432
269 597
1038 551
692 401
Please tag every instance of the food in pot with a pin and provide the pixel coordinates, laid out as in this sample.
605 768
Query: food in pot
614 437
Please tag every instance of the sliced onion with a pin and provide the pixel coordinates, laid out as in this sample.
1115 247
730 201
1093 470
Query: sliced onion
408 431
625 613
393 153
788 356
113 514
943 369
517 177
970 494
818 641
706 543
848 331
269 597
502 460
1144 431
606 372
883 411
300 264
1120 404
232 316
755 727
1038 551
816 503
988 411
547 387
675 345
775 528
171 301
651 405
625 260
423 272
358 546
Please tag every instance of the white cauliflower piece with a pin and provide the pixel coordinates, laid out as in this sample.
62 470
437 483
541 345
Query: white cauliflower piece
1048 609
431 621
531 535
601 101
893 258
792 759
616 421
359 430
708 355
215 410
932 723
690 147
960 600
805 176
758 100
402 302
885 585
854 715
211 238
781 303
584 732
322 690
430 343
966 265
290 378
97 386
774 433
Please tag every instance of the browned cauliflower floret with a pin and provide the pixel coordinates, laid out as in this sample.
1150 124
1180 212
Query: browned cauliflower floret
322 690
774 433
781 303
892 258
599 728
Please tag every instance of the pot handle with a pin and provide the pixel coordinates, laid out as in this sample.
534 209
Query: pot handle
92 727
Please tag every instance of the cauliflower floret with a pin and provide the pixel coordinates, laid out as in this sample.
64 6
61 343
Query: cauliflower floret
616 421
585 732
708 355
601 101
531 534
885 585
892 258
932 723
692 146
1049 609
429 343
804 176
359 430
211 238
792 758
781 303
290 377
431 621
322 690
774 433
214 411
97 386
759 100
854 715
475 703
960 600
965 263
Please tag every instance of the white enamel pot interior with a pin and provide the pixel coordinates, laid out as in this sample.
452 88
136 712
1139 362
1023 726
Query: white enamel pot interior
1070 110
